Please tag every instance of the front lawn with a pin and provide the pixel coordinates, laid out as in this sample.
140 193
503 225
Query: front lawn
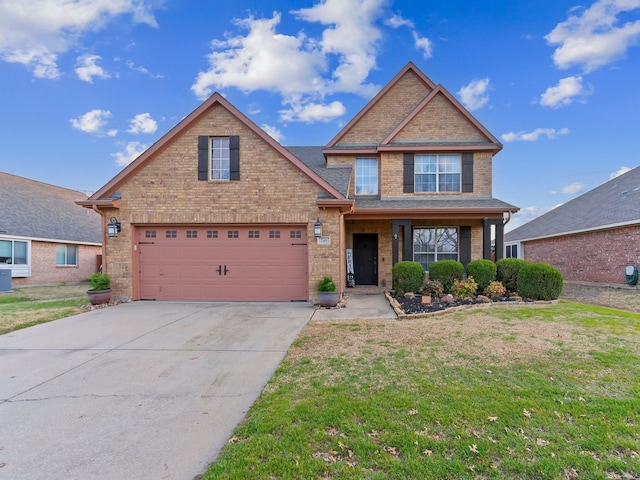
29 306
531 392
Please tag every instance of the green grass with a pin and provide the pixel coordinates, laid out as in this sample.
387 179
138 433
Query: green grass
26 307
435 408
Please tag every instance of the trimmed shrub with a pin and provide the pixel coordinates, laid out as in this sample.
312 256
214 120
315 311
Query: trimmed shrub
495 289
407 277
464 288
483 271
507 272
446 272
539 281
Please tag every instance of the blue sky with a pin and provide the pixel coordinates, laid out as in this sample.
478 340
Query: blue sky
87 85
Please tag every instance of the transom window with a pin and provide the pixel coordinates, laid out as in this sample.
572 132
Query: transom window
13 252
437 173
67 255
433 244
220 157
366 176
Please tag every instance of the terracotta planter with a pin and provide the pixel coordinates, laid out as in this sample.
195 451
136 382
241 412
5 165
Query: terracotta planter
329 299
98 297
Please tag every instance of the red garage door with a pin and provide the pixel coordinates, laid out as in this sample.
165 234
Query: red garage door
219 263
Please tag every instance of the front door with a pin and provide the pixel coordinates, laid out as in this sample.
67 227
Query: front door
365 258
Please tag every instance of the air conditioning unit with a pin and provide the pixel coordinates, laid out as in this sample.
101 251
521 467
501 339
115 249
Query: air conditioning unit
5 279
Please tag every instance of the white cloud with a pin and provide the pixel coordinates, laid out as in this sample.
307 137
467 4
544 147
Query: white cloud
595 37
620 171
474 95
423 44
91 122
142 123
87 68
564 93
35 32
132 150
274 132
313 112
570 189
396 21
297 67
533 136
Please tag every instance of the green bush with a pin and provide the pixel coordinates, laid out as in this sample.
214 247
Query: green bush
539 281
446 272
99 281
507 272
407 277
326 284
483 271
464 288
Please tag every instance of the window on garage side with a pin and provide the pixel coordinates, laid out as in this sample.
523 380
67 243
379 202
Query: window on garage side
433 244
366 176
13 252
66 255
219 158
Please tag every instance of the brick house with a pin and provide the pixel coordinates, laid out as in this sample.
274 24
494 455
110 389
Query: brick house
591 238
218 210
44 236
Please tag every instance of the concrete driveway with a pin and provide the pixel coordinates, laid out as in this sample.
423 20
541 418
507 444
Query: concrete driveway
145 390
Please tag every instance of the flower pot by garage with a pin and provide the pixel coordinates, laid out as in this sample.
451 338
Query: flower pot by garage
98 297
329 299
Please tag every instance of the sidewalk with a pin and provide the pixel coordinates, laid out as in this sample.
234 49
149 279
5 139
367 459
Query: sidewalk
358 306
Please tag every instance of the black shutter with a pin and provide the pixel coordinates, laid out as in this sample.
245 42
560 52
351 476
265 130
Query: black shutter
407 178
467 172
203 157
234 157
465 245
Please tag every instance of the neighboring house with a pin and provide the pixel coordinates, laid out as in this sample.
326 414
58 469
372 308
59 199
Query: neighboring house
219 210
44 236
591 238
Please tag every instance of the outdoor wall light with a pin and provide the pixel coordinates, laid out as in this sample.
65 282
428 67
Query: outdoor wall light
113 227
317 228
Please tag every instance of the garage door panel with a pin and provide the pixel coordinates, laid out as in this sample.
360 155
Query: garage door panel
263 263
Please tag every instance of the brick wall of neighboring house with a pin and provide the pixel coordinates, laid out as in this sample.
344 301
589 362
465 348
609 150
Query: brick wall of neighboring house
44 269
599 256
270 190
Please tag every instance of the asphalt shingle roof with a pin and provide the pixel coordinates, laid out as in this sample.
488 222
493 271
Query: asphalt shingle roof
338 176
464 203
614 202
38 210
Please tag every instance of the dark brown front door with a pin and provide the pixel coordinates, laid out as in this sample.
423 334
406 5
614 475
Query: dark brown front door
365 258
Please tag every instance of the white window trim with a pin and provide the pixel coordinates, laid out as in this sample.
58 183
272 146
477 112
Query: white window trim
21 270
439 227
377 186
437 173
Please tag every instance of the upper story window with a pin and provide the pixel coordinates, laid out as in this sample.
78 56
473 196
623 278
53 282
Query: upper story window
437 173
67 255
13 252
219 158
366 176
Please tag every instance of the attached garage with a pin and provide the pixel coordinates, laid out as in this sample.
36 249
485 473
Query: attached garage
222 262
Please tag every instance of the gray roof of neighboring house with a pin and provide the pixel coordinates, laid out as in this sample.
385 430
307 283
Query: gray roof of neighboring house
466 203
616 202
338 176
38 210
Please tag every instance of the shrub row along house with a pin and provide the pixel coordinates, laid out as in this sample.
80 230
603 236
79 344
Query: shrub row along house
592 238
219 210
44 236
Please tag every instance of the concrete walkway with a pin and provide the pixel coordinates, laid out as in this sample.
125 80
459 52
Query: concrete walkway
145 390
368 306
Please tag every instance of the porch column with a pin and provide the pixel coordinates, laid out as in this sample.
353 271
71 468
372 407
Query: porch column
407 240
486 238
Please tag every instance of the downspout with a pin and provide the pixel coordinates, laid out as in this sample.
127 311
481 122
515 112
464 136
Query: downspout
104 239
504 222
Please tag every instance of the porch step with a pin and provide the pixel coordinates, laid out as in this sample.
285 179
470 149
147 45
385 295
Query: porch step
366 290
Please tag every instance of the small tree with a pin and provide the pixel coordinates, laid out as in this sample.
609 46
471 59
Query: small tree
407 277
446 272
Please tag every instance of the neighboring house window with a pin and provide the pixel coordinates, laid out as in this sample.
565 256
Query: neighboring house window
366 176
511 251
13 252
67 255
437 173
433 244
219 158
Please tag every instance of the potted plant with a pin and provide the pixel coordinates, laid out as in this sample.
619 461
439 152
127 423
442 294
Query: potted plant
329 297
100 288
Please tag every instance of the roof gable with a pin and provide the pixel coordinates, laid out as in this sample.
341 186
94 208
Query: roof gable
39 210
613 203
396 100
215 101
